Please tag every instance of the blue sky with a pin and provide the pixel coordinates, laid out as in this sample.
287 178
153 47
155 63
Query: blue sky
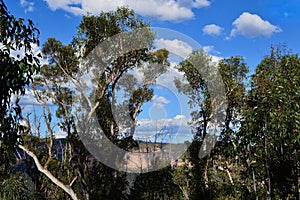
59 19
222 27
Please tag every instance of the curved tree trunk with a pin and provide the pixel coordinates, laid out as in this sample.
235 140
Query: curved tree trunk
66 188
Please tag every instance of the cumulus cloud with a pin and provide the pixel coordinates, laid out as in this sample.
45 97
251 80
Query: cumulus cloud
210 49
59 134
193 4
167 79
175 47
159 101
29 99
28 6
252 25
168 10
179 117
212 29
212 52
20 53
177 126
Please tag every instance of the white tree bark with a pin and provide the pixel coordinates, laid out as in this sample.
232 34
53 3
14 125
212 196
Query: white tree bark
66 188
185 193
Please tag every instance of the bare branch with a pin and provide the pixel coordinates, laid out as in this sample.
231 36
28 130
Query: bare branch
66 188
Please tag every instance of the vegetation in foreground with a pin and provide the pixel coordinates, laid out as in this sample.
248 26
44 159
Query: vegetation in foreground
256 156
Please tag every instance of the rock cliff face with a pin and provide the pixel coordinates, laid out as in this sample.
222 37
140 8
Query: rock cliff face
146 158
151 157
58 148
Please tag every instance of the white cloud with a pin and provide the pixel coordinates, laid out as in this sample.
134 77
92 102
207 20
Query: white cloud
216 59
67 16
29 99
167 79
60 134
252 25
176 47
210 49
212 29
178 126
169 10
28 6
159 101
20 53
179 117
193 4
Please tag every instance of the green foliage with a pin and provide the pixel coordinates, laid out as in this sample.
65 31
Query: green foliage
196 73
233 71
257 154
94 180
195 68
96 29
15 188
155 185
16 73
270 128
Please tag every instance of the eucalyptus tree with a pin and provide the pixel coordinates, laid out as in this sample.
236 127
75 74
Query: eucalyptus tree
269 135
203 77
86 177
234 76
226 170
18 65
198 69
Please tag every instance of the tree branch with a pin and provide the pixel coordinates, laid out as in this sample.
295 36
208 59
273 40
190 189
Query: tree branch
43 170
